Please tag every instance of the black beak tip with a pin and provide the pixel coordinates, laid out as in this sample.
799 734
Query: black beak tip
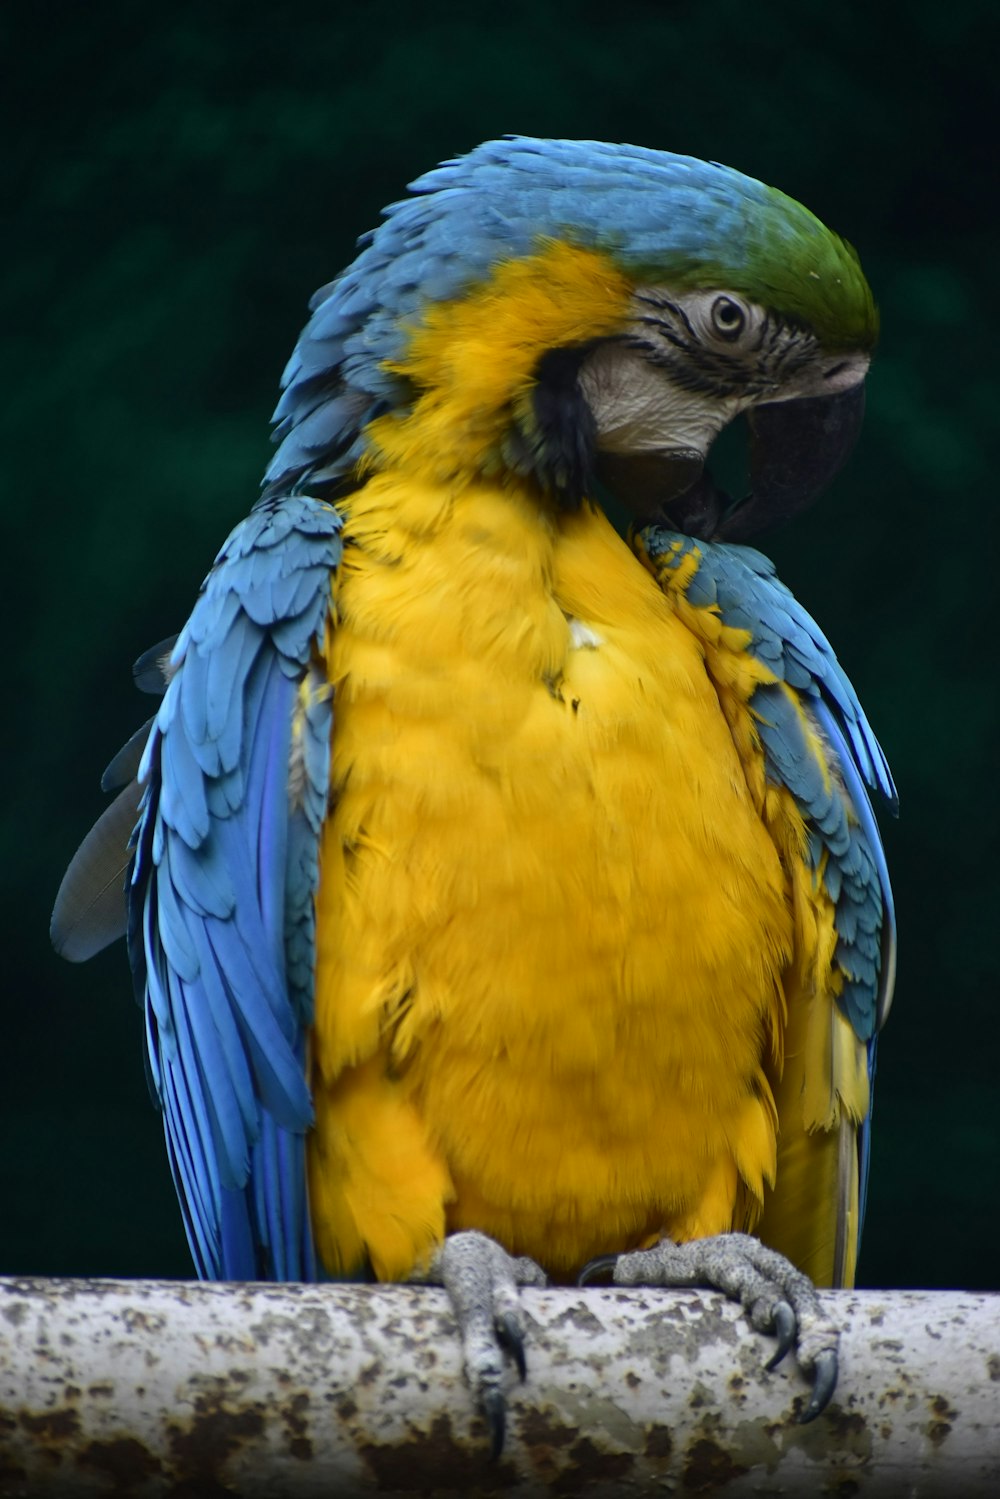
796 449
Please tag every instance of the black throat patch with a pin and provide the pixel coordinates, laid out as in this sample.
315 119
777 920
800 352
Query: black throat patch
554 435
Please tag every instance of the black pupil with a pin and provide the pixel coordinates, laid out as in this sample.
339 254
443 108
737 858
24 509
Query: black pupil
728 314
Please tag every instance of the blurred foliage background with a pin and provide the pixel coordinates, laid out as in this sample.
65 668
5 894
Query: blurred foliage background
179 182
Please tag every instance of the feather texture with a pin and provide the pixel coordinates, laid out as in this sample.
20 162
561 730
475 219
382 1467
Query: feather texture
818 746
222 886
89 910
654 215
552 929
575 927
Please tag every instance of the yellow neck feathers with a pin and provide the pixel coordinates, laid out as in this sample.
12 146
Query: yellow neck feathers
472 360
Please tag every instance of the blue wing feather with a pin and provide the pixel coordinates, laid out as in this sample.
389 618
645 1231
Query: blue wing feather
741 584
225 866
840 822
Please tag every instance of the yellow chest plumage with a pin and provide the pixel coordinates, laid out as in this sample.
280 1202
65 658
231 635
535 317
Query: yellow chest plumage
552 925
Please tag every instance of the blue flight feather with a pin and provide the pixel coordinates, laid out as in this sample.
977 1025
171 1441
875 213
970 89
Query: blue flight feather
741 584
225 866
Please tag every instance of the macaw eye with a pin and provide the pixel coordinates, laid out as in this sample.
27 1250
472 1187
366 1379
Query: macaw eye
728 319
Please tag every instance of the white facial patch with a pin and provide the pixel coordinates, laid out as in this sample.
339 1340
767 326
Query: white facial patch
639 409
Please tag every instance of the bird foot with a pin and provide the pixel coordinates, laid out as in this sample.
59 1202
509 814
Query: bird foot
778 1298
482 1281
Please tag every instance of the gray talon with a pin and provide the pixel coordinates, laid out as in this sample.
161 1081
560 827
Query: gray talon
495 1410
785 1328
511 1336
604 1264
777 1297
824 1384
482 1281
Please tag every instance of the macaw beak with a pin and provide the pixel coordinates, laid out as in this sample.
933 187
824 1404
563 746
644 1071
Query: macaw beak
795 449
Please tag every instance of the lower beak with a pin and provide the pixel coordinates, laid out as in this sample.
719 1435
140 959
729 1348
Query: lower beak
668 488
796 447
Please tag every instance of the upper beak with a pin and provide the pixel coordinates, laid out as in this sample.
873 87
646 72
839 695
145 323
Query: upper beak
796 448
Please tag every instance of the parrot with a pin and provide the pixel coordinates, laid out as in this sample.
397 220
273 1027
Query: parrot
502 886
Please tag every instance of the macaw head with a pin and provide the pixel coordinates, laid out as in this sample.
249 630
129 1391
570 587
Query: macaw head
588 314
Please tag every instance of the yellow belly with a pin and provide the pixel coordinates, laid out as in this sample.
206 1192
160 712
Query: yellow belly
551 925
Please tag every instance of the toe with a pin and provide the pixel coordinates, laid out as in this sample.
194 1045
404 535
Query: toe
785 1327
824 1384
482 1280
494 1408
511 1335
598 1271
777 1297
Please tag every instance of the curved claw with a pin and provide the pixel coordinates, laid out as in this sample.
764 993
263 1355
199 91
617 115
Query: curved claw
495 1410
482 1281
824 1384
785 1328
512 1338
602 1265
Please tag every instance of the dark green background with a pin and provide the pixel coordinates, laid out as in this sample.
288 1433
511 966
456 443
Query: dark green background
181 184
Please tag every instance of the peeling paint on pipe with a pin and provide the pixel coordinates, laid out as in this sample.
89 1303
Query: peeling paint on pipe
154 1388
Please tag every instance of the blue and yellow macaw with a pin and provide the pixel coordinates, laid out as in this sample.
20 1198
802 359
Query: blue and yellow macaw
502 887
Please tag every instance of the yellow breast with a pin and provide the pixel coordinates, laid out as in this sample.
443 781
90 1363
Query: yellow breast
551 926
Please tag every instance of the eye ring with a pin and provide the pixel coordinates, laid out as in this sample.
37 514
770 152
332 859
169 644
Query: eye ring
728 318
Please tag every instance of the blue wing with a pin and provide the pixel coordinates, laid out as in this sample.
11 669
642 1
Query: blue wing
224 871
741 584
844 846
